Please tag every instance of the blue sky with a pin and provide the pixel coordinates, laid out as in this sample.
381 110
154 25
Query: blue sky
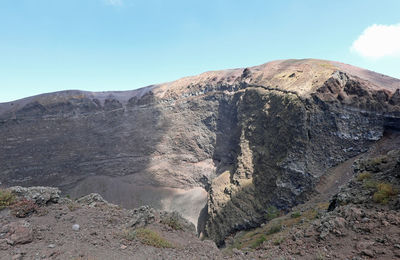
98 45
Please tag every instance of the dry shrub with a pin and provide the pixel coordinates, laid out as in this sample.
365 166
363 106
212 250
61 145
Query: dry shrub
6 199
23 208
384 192
364 176
173 222
148 237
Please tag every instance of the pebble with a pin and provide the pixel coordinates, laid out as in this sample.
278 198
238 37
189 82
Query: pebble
75 227
51 246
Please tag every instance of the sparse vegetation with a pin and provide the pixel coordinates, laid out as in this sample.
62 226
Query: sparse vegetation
278 241
319 256
152 238
148 237
258 241
272 212
384 192
364 176
23 208
370 184
173 222
378 160
6 199
129 234
274 229
295 214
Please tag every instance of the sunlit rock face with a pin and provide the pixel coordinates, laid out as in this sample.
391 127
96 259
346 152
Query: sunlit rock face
251 137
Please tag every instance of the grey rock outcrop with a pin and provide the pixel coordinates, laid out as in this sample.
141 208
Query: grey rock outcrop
91 198
141 217
40 195
175 220
145 215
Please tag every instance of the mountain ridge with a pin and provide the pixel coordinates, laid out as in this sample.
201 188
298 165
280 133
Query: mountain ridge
222 143
374 77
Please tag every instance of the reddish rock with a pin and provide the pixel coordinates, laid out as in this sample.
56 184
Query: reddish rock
19 232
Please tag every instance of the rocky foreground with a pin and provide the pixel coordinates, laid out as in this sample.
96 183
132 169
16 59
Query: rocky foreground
41 225
361 221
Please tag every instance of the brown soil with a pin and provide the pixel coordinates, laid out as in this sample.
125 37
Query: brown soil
100 236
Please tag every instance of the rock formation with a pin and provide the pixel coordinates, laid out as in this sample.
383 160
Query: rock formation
251 137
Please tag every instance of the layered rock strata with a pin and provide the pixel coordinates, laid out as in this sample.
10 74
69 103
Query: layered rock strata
251 137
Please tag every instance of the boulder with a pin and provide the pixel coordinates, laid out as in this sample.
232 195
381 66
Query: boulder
40 195
176 221
19 232
91 198
142 216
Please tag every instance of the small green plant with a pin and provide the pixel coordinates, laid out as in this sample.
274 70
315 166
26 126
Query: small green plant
258 241
274 229
370 184
384 192
173 222
152 238
6 199
148 237
364 176
319 256
129 234
272 212
278 241
295 214
378 160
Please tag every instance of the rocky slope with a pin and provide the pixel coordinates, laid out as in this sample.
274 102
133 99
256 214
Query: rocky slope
362 220
91 228
253 138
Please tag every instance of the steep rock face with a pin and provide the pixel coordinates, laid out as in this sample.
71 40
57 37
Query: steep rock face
135 148
254 137
288 141
87 146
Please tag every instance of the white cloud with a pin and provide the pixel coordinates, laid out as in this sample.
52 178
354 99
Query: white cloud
378 41
114 2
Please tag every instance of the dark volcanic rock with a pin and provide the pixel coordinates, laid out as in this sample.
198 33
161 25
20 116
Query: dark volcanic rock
255 137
